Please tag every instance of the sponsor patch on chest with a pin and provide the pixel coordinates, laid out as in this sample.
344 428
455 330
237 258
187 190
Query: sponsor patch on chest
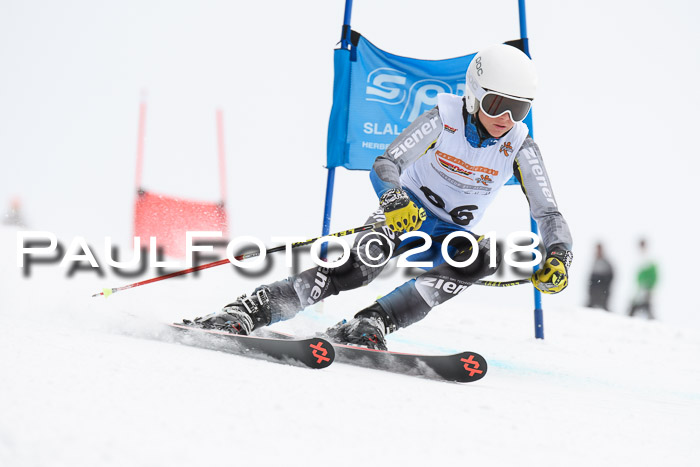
458 166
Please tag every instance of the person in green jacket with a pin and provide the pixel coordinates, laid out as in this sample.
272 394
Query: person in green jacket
646 281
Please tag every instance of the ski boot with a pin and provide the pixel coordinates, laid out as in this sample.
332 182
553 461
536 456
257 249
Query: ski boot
367 329
242 316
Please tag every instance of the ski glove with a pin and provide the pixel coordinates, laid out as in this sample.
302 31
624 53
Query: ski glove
553 276
401 213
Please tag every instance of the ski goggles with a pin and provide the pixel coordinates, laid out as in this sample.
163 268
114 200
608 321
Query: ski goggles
494 104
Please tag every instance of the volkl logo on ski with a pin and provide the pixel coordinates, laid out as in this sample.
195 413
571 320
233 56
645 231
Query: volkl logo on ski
467 365
320 357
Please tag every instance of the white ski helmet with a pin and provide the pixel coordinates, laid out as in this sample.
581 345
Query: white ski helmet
506 77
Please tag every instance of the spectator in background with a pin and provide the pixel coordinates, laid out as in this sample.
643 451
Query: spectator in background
14 215
600 280
646 280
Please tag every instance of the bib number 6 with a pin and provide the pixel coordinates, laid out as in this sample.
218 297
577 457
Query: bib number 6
461 215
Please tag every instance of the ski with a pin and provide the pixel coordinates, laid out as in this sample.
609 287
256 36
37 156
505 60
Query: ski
464 367
313 352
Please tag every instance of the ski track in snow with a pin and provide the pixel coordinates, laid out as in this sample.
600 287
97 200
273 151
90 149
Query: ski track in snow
93 382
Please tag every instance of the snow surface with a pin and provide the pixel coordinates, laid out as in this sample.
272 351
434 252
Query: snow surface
86 382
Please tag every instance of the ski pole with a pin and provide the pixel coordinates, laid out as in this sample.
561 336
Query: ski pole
107 292
503 284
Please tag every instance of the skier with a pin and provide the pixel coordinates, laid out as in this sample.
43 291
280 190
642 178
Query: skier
438 176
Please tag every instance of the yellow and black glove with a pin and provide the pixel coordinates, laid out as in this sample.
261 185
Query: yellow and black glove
401 213
553 276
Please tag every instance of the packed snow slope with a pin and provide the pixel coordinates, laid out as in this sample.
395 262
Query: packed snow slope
87 382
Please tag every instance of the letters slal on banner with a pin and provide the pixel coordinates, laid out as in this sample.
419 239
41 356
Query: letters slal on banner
377 95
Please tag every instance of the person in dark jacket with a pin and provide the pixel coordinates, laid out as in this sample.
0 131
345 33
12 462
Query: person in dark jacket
600 280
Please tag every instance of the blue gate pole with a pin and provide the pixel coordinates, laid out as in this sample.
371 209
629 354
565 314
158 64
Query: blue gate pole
539 315
330 181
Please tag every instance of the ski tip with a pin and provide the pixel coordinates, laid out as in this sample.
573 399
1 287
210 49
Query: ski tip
474 367
312 352
322 353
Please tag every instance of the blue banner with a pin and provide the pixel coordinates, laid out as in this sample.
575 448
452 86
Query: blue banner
376 95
